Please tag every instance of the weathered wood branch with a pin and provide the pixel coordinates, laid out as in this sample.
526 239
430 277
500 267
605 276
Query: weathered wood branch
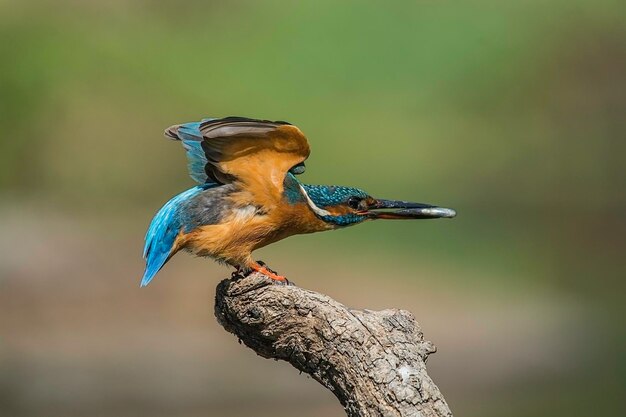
373 361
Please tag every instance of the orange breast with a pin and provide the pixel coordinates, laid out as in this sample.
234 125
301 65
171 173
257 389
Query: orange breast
246 229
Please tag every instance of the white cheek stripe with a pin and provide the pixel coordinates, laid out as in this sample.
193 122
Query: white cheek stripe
320 212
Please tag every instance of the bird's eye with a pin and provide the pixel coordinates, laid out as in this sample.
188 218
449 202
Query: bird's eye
353 202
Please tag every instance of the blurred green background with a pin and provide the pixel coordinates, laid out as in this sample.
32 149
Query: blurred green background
510 112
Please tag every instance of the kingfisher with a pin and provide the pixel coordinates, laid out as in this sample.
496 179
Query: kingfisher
249 196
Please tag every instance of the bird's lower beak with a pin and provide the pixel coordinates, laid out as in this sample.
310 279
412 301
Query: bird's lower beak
391 209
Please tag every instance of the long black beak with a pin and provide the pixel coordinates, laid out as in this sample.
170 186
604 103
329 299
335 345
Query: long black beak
381 209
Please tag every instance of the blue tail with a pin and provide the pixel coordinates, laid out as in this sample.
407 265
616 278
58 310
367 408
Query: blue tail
162 233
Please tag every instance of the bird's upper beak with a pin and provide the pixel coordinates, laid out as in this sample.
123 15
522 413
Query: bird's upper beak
384 209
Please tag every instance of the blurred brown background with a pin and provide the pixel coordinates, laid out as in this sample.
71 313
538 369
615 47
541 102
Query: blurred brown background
511 113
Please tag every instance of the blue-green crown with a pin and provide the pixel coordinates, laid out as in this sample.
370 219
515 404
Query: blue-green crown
324 196
332 195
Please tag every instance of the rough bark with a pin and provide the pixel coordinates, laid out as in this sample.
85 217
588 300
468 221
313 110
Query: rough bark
373 361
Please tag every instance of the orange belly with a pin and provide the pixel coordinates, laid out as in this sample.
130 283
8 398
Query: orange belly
230 243
233 240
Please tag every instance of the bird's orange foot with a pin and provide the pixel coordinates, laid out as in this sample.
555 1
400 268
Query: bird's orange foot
263 269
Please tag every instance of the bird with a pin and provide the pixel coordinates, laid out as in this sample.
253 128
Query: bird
249 196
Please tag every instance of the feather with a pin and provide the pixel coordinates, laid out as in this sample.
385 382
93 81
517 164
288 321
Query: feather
163 231
191 137
221 150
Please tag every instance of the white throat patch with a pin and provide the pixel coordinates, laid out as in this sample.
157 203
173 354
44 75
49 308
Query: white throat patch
320 212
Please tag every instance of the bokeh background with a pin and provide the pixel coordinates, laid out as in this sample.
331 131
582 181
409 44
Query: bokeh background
511 112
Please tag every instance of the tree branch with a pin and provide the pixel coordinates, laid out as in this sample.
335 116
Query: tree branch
373 361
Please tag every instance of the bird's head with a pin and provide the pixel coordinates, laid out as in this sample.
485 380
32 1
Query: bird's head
346 206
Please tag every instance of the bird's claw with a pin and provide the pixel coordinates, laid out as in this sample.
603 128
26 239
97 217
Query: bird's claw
273 275
239 272
264 265
286 282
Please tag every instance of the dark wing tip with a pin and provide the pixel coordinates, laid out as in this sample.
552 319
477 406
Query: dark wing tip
234 126
172 132
229 119
239 119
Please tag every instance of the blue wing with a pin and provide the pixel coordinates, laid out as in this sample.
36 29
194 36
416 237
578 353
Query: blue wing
162 233
190 135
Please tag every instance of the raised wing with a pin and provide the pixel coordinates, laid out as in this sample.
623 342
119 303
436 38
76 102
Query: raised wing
241 149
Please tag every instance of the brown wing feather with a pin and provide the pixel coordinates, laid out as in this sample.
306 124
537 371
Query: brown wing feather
257 153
